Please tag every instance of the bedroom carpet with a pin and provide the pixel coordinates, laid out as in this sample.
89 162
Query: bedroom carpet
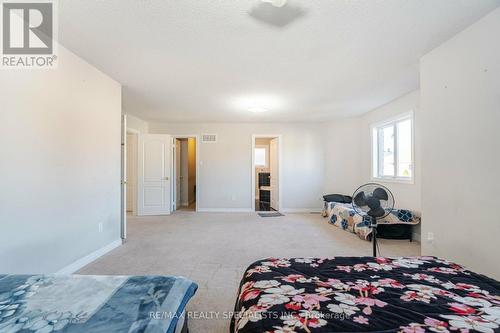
214 249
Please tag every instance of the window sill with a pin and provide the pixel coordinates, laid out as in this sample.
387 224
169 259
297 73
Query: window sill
394 180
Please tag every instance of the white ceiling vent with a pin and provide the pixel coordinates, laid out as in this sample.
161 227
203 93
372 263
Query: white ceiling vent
209 138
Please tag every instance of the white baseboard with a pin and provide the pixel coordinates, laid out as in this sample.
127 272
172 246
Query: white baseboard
225 210
75 266
249 210
301 210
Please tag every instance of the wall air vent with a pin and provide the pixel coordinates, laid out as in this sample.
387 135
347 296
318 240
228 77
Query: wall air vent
209 138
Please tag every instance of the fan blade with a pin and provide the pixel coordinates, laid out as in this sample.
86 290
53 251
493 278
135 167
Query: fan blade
373 202
380 193
377 212
360 199
277 13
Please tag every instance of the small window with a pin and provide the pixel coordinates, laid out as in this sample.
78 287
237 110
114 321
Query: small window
392 146
260 157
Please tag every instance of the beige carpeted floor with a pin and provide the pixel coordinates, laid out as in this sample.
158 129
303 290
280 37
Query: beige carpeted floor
214 249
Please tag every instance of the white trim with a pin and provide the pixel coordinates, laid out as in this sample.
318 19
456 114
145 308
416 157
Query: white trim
136 133
393 119
249 210
82 262
386 122
280 167
198 148
301 210
225 210
132 131
393 180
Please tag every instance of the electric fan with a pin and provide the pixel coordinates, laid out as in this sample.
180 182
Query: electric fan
377 202
276 13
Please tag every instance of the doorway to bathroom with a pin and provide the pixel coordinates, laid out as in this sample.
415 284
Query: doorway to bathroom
266 166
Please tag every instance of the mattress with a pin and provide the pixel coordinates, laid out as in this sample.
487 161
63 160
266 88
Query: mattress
365 294
97 304
345 217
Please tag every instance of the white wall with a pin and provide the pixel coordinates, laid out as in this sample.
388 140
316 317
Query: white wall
460 114
348 161
349 152
60 151
343 156
137 124
226 167
408 196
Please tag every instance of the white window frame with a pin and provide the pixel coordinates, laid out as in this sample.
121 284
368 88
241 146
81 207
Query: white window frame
266 154
375 156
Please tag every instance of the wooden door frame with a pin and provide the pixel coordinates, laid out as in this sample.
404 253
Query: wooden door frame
280 166
196 137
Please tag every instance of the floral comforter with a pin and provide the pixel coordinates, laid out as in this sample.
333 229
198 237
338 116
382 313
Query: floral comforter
92 304
353 294
345 217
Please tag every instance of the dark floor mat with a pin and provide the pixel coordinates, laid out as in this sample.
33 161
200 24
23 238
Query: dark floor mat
270 214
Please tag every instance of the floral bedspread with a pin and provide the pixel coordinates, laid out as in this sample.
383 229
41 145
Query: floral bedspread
92 304
365 294
345 217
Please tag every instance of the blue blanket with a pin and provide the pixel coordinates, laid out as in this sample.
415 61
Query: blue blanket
97 304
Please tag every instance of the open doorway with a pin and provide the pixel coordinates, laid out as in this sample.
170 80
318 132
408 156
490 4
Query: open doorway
184 173
266 167
131 171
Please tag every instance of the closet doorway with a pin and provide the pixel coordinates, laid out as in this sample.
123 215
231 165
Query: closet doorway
131 170
266 172
185 173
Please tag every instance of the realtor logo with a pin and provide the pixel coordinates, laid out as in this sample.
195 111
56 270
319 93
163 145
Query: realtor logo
28 30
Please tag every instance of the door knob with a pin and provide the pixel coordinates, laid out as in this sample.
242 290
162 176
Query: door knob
166 178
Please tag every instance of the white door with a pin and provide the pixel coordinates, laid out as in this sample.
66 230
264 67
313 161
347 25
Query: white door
274 171
178 176
132 172
155 151
123 185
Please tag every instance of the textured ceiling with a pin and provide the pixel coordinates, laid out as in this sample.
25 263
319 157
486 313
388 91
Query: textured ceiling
194 60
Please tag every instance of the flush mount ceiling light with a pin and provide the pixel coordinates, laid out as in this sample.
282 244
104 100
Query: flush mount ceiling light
257 103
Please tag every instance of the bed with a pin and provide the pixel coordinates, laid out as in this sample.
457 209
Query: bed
78 303
365 294
398 224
